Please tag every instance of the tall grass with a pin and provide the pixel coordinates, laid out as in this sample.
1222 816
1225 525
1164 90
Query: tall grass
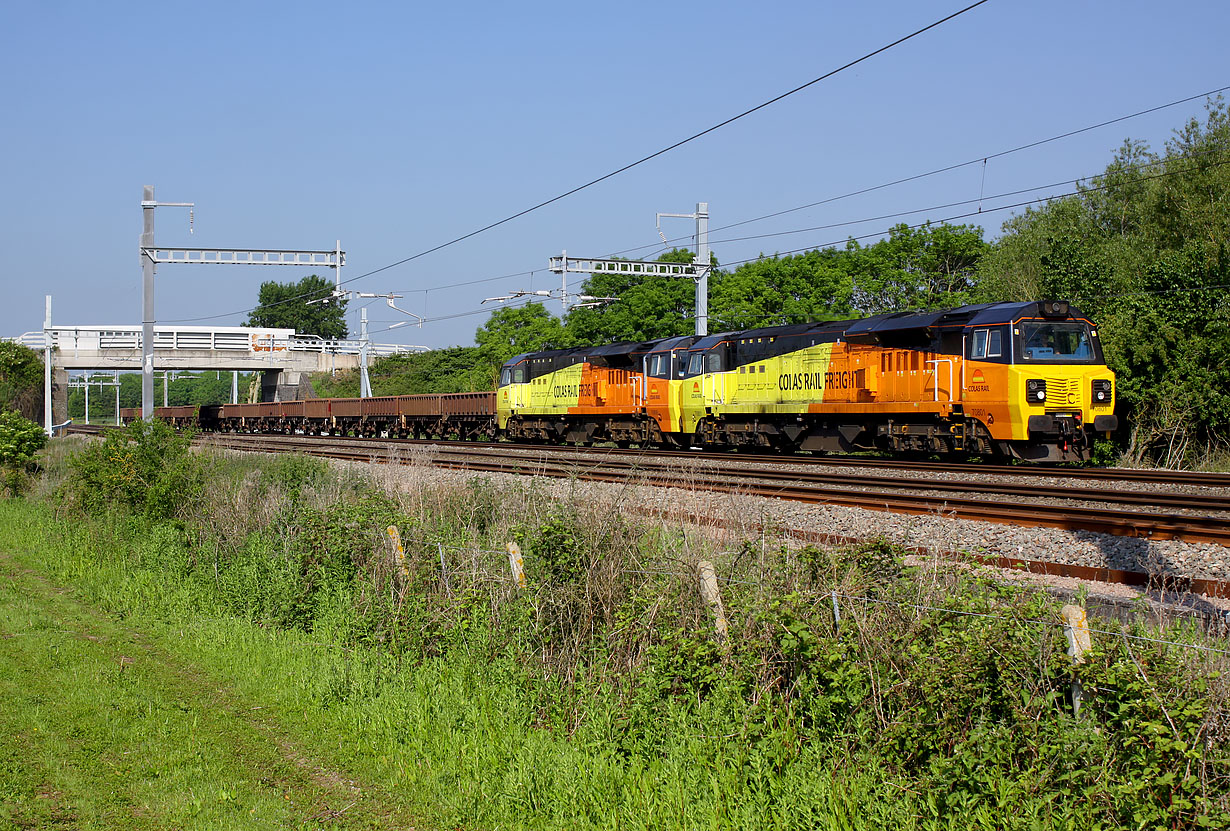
600 696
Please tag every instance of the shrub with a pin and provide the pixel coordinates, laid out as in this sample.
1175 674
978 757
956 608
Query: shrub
20 441
21 379
145 467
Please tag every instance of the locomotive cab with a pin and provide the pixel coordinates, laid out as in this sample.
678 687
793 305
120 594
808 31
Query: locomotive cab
511 392
1036 380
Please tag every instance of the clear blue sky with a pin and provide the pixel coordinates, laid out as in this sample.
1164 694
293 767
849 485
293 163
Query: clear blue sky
395 127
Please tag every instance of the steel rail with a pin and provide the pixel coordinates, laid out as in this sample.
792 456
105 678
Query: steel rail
727 465
1143 524
1147 476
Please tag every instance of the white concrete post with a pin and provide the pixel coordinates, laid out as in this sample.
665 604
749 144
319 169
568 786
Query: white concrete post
443 569
516 564
1076 627
47 420
709 591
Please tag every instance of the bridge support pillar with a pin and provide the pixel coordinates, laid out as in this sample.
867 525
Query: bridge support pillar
285 385
59 394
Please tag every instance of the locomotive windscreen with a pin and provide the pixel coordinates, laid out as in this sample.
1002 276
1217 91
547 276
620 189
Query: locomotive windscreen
1057 342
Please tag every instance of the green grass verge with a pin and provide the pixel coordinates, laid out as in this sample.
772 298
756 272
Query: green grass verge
133 705
112 720
254 614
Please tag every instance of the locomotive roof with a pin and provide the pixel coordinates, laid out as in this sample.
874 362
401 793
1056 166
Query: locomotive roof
607 350
976 314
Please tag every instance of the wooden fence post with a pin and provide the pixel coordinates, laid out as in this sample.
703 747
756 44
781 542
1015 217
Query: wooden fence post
399 554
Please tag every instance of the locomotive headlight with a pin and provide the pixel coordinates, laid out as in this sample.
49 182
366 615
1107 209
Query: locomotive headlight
1101 390
1035 389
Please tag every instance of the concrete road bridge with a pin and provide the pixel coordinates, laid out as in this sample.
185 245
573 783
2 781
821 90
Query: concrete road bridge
284 358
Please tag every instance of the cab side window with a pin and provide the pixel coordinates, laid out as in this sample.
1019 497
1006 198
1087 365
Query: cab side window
986 343
660 366
518 375
713 362
978 348
696 364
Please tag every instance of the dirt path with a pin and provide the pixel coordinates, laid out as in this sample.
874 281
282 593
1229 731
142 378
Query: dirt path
102 728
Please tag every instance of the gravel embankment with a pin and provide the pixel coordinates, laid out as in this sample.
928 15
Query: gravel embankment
743 517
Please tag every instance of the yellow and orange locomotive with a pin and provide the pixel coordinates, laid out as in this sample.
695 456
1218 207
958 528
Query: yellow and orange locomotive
1022 380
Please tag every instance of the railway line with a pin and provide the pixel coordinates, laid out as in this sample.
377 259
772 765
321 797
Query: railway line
1139 504
1190 516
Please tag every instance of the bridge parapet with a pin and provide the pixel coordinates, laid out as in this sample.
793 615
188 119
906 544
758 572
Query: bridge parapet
115 343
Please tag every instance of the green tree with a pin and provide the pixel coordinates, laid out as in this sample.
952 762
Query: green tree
455 369
21 379
932 267
813 286
1142 249
513 330
291 306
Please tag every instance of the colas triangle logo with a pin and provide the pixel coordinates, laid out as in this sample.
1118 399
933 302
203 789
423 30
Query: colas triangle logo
978 379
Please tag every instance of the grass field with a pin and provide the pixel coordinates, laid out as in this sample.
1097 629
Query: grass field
215 642
111 723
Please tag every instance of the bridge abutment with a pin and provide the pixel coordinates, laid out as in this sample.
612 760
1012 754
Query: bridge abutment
59 395
286 385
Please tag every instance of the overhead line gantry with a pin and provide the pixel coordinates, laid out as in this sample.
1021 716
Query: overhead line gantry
152 255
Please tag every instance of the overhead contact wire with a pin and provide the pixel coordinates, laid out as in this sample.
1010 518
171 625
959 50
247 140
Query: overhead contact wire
661 152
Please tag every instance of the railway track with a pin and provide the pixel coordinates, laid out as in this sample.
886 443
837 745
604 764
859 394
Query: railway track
1144 476
812 479
1153 515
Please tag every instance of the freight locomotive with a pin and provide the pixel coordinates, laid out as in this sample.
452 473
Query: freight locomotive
1018 380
